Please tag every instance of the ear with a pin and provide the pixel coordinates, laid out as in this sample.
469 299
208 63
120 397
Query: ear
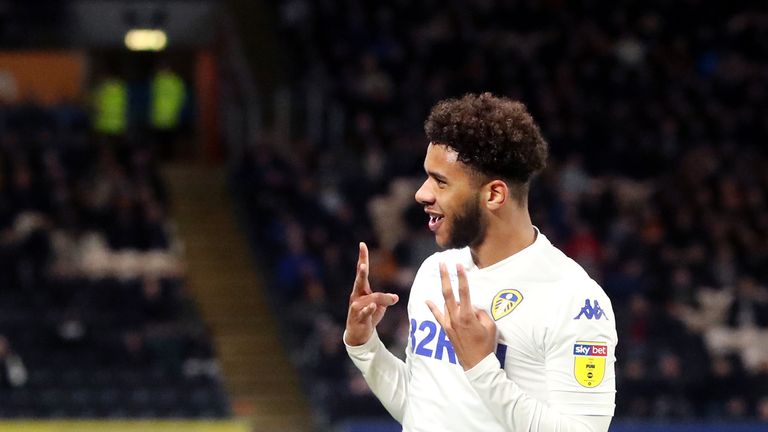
496 194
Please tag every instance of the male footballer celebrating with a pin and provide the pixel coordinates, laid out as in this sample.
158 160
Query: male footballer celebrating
507 333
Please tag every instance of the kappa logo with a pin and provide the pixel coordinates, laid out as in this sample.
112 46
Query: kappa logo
589 362
590 312
505 302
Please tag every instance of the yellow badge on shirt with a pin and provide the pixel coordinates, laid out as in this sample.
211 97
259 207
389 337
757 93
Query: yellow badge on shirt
505 302
589 362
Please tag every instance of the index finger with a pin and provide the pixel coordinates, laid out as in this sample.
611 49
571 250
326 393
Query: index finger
464 300
450 301
361 286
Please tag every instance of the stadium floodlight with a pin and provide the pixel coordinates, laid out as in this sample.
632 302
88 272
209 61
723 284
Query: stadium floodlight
146 39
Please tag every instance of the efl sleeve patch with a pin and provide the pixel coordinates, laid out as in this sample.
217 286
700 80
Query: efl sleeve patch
589 362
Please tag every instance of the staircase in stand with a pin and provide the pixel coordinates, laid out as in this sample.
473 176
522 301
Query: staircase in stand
262 384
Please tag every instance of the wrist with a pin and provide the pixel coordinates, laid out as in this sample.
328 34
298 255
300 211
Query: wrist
486 364
474 361
353 339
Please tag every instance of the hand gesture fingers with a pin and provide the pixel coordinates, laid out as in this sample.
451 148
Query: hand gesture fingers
364 312
366 305
361 286
441 319
451 308
471 331
366 308
466 311
485 320
382 299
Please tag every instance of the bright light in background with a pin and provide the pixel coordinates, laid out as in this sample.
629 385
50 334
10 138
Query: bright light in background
146 40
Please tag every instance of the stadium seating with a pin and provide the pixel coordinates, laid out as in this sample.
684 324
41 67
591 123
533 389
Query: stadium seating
656 183
94 314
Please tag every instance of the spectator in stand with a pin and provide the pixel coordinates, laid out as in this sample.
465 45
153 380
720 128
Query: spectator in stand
661 184
69 299
110 108
12 370
168 95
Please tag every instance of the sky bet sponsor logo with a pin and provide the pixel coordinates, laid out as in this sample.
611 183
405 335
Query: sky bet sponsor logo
589 363
594 350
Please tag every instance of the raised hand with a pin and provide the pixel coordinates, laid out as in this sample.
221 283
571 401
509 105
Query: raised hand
471 331
366 308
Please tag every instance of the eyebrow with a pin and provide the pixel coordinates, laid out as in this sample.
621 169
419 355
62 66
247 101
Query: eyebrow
437 176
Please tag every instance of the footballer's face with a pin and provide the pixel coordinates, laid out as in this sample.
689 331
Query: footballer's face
451 197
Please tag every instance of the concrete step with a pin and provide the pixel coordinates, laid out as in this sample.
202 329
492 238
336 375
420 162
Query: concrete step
221 277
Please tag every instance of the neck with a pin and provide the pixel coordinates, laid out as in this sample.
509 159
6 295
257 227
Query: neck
506 235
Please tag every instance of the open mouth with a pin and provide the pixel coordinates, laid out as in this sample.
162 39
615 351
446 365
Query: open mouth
435 222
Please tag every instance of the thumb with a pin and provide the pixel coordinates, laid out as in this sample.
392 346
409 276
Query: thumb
384 299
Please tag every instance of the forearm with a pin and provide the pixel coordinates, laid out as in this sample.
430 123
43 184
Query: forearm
518 411
385 374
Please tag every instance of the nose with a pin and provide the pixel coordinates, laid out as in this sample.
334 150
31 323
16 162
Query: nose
424 195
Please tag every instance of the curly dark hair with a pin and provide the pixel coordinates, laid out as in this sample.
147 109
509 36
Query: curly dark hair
495 136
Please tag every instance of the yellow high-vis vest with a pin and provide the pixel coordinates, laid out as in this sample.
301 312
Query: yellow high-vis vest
111 107
166 100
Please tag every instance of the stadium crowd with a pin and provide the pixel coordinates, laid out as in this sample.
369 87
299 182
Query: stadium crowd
658 182
95 320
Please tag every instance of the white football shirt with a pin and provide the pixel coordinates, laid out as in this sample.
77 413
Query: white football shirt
554 364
